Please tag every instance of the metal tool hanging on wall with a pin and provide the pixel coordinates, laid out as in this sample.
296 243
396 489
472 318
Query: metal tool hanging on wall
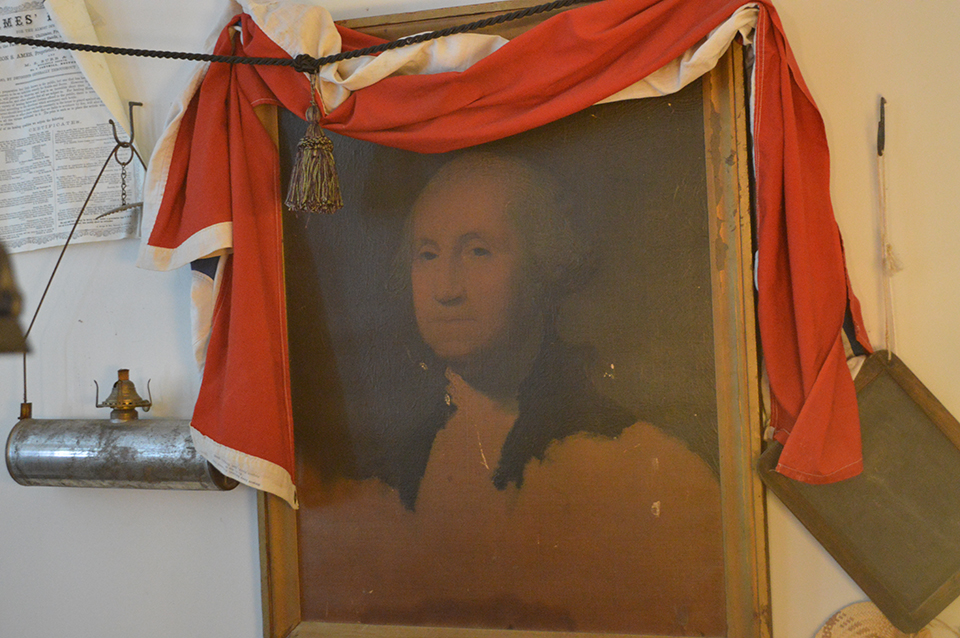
122 451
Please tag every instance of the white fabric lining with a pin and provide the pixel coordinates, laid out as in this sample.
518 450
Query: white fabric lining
249 470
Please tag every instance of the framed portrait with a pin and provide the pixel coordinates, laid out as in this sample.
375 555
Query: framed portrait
525 382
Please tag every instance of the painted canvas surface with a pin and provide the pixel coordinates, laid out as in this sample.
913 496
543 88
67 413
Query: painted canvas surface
503 381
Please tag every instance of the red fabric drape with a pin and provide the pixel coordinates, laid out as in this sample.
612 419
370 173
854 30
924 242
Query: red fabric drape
803 286
225 169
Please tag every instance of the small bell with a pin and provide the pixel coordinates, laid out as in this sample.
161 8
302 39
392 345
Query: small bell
124 398
11 337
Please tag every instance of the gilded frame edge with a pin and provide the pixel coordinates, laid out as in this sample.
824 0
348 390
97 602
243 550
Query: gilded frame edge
738 399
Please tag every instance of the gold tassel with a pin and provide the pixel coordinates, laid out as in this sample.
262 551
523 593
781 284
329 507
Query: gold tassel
314 186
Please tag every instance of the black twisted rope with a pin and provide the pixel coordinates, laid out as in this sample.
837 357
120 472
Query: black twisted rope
303 63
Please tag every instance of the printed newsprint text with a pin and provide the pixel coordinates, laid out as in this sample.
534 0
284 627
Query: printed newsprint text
55 136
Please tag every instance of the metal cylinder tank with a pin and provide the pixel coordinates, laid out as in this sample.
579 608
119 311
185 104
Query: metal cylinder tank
147 453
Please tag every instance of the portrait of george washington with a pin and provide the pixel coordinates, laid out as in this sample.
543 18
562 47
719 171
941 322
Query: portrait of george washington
503 383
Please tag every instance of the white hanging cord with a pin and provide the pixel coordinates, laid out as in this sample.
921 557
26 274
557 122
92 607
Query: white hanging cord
889 263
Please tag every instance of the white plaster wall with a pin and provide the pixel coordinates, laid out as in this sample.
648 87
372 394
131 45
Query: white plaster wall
105 563
112 563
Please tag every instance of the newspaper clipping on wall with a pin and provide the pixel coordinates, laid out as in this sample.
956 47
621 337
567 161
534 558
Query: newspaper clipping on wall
55 136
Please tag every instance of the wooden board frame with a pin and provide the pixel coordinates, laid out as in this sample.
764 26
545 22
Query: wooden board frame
869 544
738 393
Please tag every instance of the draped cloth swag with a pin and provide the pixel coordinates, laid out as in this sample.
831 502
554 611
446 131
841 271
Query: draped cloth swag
213 189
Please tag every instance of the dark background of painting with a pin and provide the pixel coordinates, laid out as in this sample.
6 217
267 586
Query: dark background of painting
635 174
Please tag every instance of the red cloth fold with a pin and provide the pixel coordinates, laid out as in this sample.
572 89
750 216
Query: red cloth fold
225 169
803 287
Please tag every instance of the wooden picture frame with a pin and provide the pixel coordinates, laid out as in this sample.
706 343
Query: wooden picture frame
737 387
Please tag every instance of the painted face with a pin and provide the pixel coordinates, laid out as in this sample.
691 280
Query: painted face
466 272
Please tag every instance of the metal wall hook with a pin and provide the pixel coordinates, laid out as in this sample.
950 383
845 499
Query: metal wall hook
113 125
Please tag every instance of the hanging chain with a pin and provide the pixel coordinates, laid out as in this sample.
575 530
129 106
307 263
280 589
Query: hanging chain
123 166
123 184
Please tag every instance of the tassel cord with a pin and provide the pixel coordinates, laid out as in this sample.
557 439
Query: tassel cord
314 185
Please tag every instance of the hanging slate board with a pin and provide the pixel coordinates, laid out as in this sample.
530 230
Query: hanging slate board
895 528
